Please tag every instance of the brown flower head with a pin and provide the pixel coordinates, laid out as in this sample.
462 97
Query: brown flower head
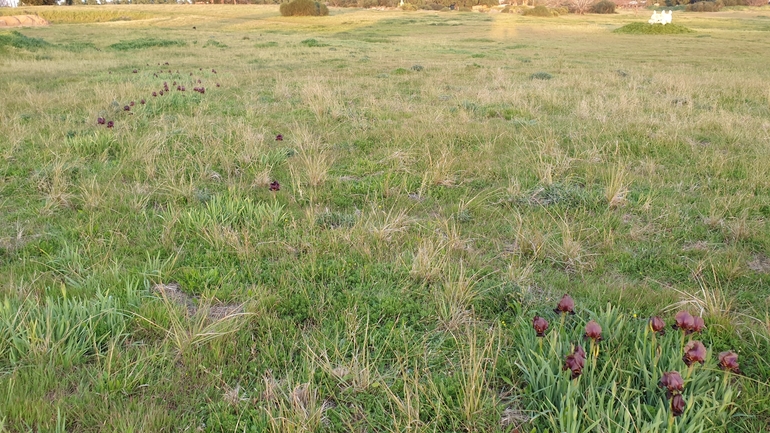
574 363
142 102
698 324
729 361
672 381
658 325
593 331
540 325
684 321
110 124
126 108
279 137
154 94
566 305
275 186
677 405
101 121
579 351
694 351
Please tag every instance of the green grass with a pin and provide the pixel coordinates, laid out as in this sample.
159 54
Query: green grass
18 40
653 29
144 43
435 193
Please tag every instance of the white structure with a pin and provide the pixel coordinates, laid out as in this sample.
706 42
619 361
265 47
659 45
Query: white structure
661 18
9 3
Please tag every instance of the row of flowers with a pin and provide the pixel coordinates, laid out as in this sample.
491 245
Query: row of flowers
693 352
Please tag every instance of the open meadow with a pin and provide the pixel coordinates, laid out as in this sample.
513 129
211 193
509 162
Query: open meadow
169 263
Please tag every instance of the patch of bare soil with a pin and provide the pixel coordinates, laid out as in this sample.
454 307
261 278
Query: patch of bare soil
22 21
760 263
174 293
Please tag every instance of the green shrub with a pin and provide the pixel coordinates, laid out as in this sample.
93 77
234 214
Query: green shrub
142 43
563 10
540 76
604 7
214 43
297 8
313 43
705 6
409 7
538 11
652 29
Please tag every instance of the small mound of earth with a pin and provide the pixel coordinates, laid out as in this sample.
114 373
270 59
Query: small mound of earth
174 293
22 21
760 264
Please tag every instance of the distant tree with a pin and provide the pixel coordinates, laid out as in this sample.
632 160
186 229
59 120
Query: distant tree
580 6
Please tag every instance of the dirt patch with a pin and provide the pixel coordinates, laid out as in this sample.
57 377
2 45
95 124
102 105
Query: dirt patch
760 263
696 246
174 293
22 21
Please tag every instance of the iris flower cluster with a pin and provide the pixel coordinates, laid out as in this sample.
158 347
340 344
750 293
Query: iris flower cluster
693 352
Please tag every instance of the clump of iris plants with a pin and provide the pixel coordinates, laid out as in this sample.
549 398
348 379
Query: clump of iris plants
659 378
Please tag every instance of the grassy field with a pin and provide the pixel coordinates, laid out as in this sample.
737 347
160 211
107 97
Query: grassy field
444 177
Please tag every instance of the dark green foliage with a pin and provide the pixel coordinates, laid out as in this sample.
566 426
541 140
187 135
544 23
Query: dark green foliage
313 43
652 29
604 7
541 76
297 8
332 220
705 6
214 43
18 40
39 2
539 11
142 43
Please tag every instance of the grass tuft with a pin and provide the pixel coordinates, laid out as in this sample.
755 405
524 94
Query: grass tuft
652 29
